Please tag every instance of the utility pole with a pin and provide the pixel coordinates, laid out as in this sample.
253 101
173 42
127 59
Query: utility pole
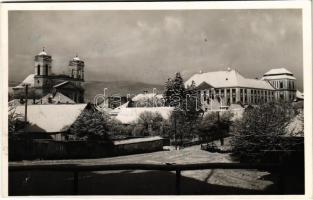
175 130
26 98
154 97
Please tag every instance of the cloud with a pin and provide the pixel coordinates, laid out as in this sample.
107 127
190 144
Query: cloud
146 28
149 46
173 24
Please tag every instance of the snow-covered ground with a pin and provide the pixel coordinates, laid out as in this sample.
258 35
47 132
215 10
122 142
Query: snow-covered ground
241 179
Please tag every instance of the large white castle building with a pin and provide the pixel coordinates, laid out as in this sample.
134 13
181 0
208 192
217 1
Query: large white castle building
230 87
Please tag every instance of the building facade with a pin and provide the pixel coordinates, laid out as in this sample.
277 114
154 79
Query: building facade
223 88
43 81
284 83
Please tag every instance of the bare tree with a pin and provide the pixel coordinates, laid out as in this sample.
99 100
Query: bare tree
151 121
15 120
260 130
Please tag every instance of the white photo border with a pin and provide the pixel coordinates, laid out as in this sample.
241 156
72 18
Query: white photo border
305 6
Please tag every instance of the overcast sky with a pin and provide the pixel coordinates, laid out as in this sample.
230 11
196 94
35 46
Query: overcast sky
150 46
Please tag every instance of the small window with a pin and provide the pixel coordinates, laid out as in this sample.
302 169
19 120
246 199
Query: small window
234 92
47 69
281 85
38 69
234 99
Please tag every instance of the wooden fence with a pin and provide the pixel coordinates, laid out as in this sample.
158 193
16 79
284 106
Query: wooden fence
178 168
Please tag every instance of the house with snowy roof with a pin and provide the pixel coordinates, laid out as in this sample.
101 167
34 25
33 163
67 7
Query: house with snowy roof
43 81
146 100
230 87
131 115
50 121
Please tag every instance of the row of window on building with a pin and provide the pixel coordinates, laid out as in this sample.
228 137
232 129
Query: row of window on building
279 84
244 95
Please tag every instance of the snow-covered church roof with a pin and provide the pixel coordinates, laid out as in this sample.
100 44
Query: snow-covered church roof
43 53
29 80
76 58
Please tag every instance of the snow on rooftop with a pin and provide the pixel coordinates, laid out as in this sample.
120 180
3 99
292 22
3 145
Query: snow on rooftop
230 78
51 118
274 77
43 53
76 58
137 140
146 96
60 84
29 80
125 105
57 98
278 71
17 102
299 95
131 115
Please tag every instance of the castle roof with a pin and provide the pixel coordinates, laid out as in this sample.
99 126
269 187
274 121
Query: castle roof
274 77
278 71
229 78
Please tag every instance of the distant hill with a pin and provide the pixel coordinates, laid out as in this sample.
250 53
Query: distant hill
92 88
122 88
13 83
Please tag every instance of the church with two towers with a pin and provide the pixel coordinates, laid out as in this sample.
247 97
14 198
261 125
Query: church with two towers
44 82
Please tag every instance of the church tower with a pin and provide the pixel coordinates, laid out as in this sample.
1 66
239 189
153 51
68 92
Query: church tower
42 78
76 68
43 64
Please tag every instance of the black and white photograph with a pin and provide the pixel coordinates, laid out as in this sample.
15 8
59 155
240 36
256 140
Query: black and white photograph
147 100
